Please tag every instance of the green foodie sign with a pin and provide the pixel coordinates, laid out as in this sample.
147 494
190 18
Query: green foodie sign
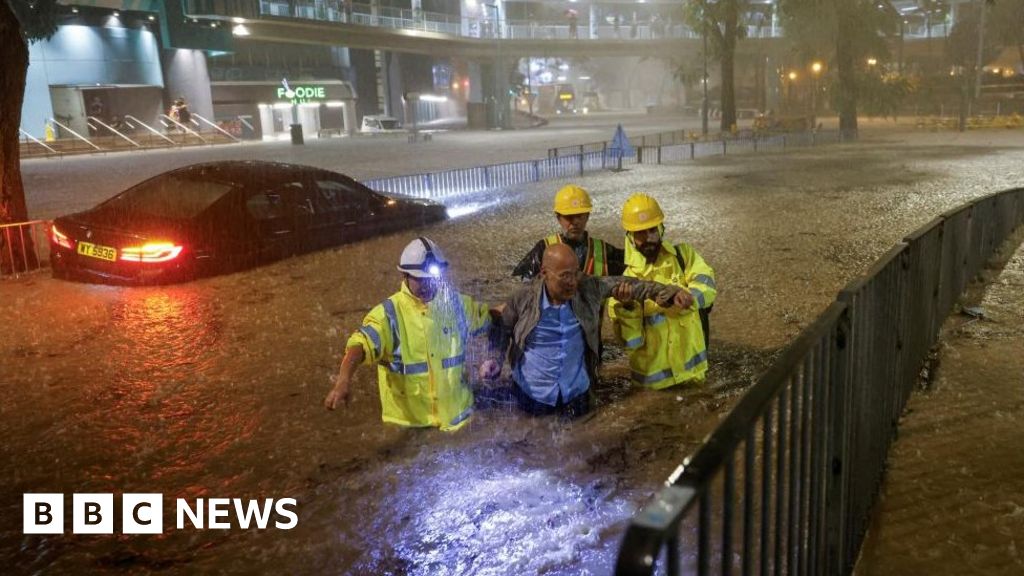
301 94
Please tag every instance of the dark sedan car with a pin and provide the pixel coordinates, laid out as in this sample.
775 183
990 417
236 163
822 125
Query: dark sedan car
222 216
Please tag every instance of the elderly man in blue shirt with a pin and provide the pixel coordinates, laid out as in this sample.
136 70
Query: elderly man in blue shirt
552 330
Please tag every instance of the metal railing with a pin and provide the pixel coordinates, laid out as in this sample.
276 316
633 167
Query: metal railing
30 138
24 247
92 120
786 483
578 160
476 26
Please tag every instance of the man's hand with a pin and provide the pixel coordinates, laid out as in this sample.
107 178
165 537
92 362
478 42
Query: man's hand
683 299
340 392
490 369
623 292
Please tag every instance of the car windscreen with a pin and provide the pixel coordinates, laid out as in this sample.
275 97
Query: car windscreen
171 196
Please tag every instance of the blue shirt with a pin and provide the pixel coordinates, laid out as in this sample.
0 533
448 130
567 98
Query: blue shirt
552 364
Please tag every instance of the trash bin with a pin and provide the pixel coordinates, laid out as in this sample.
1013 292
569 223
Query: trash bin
297 134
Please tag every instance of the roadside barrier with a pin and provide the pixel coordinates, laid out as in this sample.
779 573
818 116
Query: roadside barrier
566 162
786 483
24 247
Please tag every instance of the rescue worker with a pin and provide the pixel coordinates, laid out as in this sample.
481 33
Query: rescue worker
417 338
596 257
554 328
666 346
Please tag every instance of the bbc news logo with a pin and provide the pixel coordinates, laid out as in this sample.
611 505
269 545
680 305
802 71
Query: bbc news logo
144 513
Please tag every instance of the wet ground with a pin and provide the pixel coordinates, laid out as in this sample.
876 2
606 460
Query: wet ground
953 498
213 388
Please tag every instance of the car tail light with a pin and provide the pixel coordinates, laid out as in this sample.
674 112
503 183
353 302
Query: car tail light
61 239
151 252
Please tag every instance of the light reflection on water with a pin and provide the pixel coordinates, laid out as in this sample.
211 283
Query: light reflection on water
479 512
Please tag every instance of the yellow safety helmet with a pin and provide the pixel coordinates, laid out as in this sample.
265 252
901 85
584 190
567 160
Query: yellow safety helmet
571 200
641 212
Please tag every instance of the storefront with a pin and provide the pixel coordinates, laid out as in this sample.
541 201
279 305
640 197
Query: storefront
324 108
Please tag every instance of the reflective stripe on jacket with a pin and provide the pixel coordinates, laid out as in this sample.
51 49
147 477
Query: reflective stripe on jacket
419 350
596 262
666 346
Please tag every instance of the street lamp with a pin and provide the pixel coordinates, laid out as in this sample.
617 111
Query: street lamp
789 93
816 69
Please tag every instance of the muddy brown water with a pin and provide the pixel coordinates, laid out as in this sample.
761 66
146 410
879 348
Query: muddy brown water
213 388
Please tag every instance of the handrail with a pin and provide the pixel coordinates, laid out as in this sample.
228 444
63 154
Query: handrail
76 134
215 127
36 140
150 128
185 128
246 122
112 129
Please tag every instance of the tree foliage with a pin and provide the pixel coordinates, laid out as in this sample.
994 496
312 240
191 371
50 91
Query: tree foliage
1007 18
843 34
38 18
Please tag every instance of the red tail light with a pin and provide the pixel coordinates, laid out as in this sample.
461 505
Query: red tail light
61 239
151 252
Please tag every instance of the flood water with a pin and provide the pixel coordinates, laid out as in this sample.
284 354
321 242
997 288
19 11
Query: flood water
214 388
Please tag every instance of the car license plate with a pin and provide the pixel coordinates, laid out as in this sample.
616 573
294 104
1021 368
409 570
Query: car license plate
97 251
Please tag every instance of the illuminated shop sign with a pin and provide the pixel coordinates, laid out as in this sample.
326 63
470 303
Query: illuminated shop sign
301 94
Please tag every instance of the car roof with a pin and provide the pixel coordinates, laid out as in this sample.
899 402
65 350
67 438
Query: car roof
246 170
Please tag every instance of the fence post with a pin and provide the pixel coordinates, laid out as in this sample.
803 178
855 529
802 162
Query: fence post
692 146
428 184
640 155
659 154
536 171
724 147
755 143
837 480
604 155
487 176
581 160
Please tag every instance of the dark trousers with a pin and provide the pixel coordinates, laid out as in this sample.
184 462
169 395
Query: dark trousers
572 409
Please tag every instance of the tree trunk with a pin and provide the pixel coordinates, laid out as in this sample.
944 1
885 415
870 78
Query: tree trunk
846 63
14 47
727 65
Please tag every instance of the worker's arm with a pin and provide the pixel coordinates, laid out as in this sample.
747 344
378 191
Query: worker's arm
627 290
354 356
368 345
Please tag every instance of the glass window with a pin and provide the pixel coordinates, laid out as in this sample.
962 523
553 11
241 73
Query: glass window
341 196
171 196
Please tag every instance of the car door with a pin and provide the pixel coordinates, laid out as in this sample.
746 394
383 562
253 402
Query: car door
355 212
273 210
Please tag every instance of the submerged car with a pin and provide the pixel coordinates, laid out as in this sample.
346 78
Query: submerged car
380 125
219 217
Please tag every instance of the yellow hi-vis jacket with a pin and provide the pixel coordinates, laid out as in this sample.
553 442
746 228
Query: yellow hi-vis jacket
419 350
597 256
666 345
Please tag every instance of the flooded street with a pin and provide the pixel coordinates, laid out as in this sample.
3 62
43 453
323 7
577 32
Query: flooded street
953 498
213 388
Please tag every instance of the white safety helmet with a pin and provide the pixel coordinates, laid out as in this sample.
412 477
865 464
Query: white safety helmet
422 258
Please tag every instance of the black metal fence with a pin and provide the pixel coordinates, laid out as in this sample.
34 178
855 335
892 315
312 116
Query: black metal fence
786 483
579 160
